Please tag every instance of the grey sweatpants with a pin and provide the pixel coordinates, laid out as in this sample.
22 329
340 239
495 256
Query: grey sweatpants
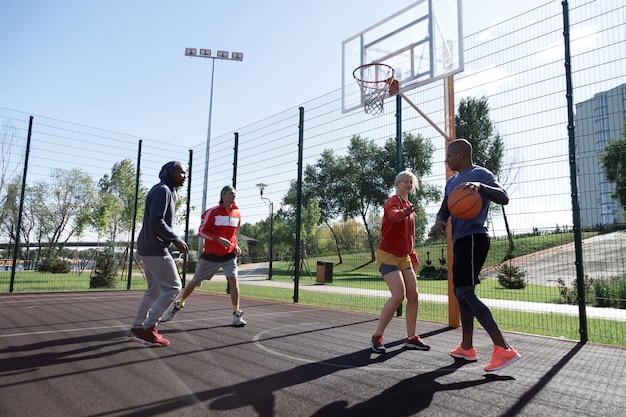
164 285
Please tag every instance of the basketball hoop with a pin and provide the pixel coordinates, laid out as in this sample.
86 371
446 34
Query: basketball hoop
375 80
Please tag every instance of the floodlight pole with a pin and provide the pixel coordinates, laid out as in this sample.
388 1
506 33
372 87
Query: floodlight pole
223 55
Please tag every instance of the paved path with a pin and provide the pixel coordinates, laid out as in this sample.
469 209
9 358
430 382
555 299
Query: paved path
604 256
256 274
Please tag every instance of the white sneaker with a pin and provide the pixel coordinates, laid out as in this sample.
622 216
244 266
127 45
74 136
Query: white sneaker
238 320
169 315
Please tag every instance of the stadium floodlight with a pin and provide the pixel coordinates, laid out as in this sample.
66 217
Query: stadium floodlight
223 55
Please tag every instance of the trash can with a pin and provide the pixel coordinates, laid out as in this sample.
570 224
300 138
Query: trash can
324 272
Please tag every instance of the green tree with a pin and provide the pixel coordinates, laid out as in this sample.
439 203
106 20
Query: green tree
261 232
473 123
352 235
363 188
417 155
321 183
193 240
58 207
358 184
252 231
9 211
10 182
113 213
104 272
8 164
309 221
284 236
285 228
613 159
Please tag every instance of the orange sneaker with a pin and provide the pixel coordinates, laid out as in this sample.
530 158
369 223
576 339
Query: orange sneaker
501 358
467 354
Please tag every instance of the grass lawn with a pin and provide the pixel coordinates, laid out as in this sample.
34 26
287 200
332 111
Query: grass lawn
357 271
555 325
33 281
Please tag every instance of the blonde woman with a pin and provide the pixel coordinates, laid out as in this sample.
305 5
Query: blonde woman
397 262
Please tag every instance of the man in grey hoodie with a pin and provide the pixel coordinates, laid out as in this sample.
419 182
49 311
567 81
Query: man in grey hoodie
156 236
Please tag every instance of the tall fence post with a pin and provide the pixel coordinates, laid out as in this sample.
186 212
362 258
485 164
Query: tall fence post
132 230
296 268
16 248
578 244
188 209
234 183
235 157
399 162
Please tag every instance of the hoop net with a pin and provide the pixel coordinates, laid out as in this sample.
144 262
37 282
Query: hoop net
374 80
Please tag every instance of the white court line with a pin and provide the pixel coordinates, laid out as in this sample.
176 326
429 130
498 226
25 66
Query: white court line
127 326
257 339
21 299
82 329
367 367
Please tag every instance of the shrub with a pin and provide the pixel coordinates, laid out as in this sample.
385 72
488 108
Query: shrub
430 271
601 292
105 271
54 265
191 263
610 293
191 266
511 277
570 295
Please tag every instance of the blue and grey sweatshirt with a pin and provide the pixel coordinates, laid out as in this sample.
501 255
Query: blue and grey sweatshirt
156 232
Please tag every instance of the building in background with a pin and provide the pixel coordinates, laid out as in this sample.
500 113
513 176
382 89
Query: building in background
597 121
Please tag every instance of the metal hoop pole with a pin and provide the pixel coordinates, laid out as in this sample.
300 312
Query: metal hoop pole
425 117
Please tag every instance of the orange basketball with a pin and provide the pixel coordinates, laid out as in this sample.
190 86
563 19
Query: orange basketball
464 205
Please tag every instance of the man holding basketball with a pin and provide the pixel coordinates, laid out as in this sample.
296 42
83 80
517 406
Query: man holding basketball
471 244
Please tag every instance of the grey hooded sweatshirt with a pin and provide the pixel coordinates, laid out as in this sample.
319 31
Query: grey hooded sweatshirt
156 232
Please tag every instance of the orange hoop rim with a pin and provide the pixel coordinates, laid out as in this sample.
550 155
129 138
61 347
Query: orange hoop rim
375 64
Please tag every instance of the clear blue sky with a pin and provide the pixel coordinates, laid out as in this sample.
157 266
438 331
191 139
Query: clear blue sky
120 65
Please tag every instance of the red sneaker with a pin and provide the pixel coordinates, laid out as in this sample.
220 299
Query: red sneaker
415 342
156 338
148 337
377 344
501 358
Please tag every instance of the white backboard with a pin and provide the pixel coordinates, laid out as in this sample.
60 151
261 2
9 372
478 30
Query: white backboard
423 43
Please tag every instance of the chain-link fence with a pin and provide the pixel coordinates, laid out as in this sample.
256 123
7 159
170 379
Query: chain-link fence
516 66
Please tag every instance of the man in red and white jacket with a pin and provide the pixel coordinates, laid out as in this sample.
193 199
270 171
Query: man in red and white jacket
218 228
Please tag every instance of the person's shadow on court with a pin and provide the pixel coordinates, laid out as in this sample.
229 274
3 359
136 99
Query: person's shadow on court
54 352
407 397
259 393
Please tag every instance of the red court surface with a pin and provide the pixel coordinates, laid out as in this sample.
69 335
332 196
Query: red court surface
68 355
